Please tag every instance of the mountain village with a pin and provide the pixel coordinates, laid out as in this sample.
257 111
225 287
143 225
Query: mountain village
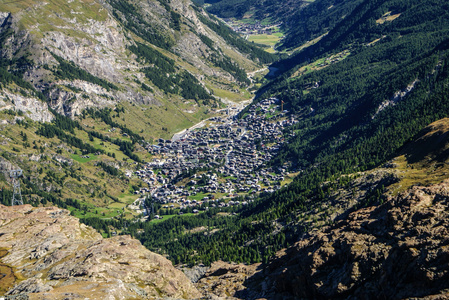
209 167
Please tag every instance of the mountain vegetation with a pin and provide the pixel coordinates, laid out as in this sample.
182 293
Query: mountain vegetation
364 80
315 20
363 108
255 10
235 40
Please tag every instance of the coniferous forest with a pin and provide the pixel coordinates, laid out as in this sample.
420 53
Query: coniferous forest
341 129
376 73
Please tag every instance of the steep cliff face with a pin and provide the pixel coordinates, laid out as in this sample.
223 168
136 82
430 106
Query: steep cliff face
50 255
32 107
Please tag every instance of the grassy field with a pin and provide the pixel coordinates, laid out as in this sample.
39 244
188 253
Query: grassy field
198 196
265 39
230 95
81 159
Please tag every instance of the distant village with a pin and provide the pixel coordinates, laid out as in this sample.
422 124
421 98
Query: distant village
256 28
215 165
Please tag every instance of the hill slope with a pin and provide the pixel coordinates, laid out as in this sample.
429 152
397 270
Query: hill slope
81 54
359 94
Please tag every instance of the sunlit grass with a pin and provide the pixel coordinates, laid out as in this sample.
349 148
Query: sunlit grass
83 158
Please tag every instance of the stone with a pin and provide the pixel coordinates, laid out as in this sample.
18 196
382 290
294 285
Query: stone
396 250
59 258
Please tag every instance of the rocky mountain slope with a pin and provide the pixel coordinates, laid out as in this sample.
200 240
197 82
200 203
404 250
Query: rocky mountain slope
393 251
80 54
48 254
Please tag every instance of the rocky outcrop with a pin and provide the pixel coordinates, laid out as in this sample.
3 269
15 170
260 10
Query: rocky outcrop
393 251
195 273
55 257
223 280
31 107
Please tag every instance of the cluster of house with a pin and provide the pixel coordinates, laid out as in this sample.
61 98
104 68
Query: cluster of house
256 28
210 166
334 59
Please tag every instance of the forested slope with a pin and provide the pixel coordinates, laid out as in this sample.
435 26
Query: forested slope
395 69
279 11
392 81
360 93
316 19
86 85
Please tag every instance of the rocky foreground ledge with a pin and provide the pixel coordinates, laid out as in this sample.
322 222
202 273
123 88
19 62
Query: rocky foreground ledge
48 254
398 250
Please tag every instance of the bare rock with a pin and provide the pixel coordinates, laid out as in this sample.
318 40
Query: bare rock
32 107
59 258
394 251
195 273
224 280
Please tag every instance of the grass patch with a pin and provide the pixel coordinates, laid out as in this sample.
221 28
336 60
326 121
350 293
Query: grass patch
9 278
387 17
266 39
198 196
117 205
56 12
227 94
83 158
322 63
128 198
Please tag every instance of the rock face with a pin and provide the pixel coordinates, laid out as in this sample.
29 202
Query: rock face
31 107
53 256
223 279
93 37
393 251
